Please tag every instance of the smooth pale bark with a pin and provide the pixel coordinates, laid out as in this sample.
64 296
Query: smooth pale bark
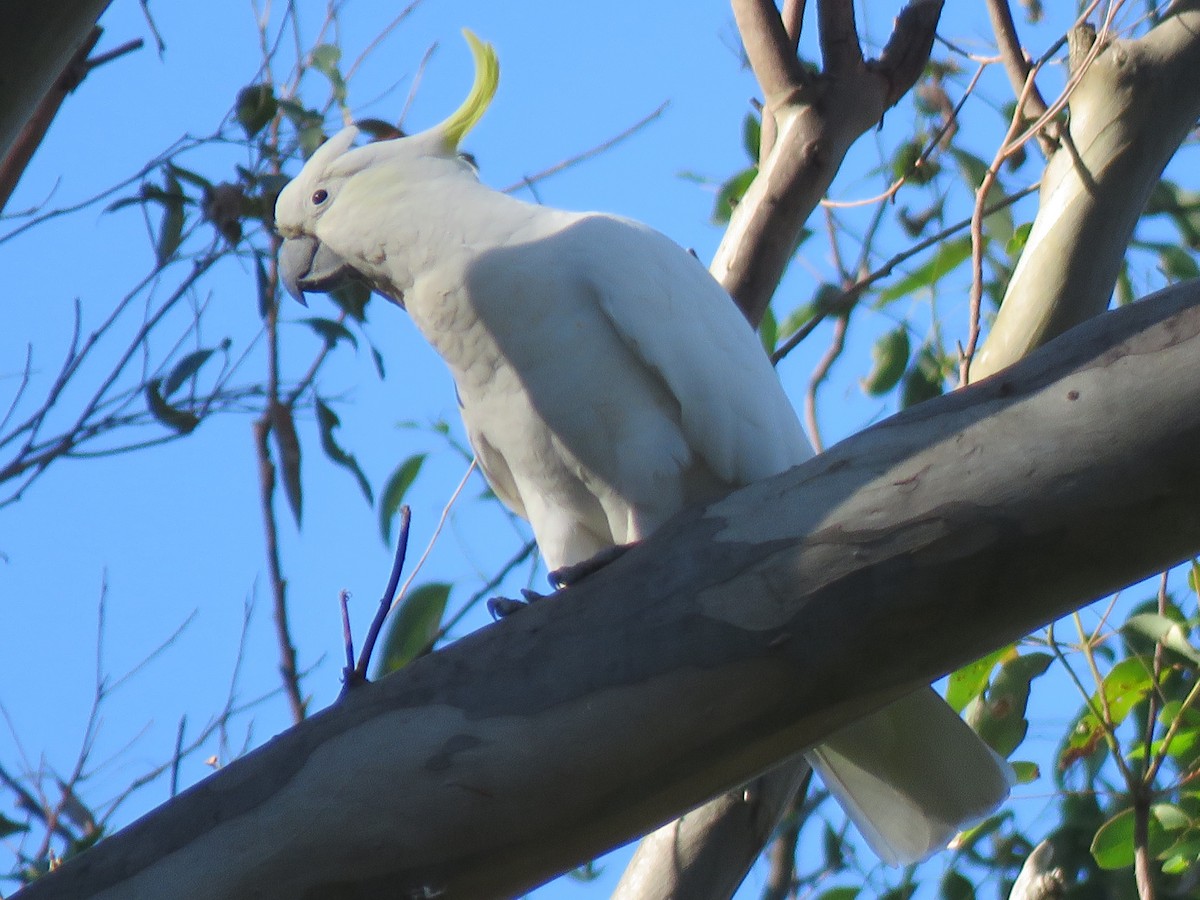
816 120
1130 112
737 635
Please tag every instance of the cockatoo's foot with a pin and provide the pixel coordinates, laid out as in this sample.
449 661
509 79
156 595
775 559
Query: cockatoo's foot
503 607
573 574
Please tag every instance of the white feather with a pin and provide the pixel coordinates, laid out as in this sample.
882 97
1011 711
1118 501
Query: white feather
606 382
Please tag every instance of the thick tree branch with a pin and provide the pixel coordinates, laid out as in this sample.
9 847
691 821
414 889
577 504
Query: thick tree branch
771 52
708 851
838 33
737 635
816 121
1130 112
38 42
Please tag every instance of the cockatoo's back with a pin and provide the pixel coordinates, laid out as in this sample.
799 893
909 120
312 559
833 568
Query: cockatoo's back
611 381
606 381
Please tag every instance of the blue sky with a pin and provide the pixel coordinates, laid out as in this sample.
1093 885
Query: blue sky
176 531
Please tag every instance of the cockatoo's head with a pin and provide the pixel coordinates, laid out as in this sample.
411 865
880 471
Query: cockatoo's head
306 263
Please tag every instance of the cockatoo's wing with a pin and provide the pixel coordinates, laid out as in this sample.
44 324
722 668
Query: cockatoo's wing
911 776
683 325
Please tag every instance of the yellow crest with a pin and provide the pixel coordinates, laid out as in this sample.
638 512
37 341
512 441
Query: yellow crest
487 77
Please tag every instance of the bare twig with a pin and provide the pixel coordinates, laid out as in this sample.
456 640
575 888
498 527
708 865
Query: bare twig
887 268
347 634
177 755
358 674
837 344
436 532
267 480
1016 65
529 180
484 592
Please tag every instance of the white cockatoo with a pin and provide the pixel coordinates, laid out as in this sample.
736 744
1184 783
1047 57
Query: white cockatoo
606 381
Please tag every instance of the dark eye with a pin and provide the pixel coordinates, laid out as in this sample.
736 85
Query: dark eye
320 197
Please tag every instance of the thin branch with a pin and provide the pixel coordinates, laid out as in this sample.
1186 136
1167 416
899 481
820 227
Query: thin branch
887 267
529 180
484 592
836 345
436 532
380 38
1016 65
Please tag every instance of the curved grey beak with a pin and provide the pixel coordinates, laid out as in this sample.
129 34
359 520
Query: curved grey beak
305 264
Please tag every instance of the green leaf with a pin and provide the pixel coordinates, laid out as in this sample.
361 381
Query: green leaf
949 256
731 194
586 873
752 136
170 232
309 125
185 369
325 58
840 893
835 856
1171 817
327 420
1126 685
968 838
967 683
1182 857
973 169
890 359
178 420
905 164
287 442
9 827
377 357
797 319
1020 237
393 494
331 331
1026 772
999 716
351 298
268 291
255 107
195 180
955 886
924 378
768 331
413 627
1178 263
1112 847
1165 631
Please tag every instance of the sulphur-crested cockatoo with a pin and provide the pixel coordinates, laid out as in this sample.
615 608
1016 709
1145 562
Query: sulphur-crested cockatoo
606 381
